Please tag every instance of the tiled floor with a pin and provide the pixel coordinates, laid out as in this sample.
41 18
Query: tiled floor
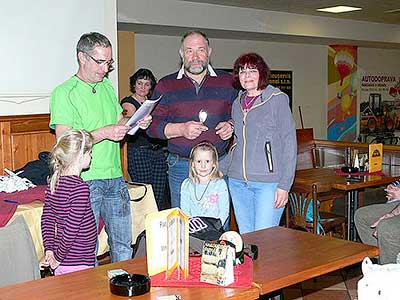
338 285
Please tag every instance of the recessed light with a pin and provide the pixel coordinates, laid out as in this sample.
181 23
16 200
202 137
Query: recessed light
339 9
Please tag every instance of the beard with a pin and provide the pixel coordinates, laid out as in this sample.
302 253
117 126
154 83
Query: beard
202 65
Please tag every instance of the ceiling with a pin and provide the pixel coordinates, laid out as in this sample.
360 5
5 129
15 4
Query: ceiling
372 10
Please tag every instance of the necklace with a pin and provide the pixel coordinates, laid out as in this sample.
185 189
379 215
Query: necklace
248 102
92 86
139 99
204 192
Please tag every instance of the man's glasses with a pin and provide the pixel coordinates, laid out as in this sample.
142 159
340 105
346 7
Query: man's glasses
101 62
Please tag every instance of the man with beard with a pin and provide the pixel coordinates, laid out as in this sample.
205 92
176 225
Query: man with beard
195 107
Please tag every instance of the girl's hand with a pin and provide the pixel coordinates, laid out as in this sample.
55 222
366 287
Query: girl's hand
54 263
281 198
45 260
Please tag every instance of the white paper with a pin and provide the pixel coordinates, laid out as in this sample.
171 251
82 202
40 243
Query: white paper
144 110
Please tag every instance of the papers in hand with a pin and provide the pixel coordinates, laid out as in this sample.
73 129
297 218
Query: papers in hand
144 110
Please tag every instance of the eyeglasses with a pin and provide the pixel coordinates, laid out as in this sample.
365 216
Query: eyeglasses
101 62
252 71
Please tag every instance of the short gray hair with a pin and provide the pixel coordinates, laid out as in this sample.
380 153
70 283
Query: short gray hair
91 40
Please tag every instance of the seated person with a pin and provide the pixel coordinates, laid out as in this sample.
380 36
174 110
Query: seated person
205 193
379 225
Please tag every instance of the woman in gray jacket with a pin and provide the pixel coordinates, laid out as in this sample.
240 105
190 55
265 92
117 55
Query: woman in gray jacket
263 156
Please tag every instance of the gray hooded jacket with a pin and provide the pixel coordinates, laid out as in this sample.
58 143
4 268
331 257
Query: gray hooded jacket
265 147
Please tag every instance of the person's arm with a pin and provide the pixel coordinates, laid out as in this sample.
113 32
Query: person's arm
190 130
185 197
48 227
129 109
223 202
79 198
287 130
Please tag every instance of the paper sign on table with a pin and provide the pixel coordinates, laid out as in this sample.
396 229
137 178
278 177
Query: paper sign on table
167 242
375 157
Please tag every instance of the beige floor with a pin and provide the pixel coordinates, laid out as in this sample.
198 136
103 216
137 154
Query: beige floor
338 285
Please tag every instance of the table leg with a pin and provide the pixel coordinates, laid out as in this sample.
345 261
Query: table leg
352 205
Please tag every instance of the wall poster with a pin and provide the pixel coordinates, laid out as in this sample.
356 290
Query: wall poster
379 107
342 93
284 81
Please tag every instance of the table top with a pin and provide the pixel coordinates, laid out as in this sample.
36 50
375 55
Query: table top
32 213
287 256
326 179
94 284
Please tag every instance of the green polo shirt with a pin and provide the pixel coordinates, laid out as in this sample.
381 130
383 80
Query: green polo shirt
74 104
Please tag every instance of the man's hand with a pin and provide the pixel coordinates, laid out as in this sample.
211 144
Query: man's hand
145 122
110 132
281 198
224 130
192 129
392 192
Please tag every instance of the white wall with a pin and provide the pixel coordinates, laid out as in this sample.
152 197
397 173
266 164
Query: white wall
308 63
38 48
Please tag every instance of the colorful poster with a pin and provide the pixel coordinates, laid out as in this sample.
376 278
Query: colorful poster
379 107
342 93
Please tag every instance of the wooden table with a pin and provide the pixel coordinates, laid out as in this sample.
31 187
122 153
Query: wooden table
94 284
287 256
32 213
325 179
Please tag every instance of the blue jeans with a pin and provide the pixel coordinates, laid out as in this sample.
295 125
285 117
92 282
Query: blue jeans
178 171
253 203
110 200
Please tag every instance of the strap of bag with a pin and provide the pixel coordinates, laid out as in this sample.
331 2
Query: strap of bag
138 184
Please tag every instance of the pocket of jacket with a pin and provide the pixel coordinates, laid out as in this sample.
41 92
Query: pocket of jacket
268 155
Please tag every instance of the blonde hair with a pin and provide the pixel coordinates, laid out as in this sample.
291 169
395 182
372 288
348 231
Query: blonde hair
204 146
70 146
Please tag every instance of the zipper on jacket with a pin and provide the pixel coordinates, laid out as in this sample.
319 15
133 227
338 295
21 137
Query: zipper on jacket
244 146
244 129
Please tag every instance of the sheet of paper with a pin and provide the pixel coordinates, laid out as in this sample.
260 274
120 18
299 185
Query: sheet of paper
143 111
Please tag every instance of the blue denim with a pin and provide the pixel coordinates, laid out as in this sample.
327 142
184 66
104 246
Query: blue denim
110 200
253 203
178 171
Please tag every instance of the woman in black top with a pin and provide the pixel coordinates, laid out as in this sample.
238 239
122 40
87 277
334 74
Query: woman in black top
146 159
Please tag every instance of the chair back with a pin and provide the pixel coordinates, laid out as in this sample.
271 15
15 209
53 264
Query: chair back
18 258
305 149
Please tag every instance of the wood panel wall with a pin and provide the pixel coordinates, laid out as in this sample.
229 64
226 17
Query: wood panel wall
23 137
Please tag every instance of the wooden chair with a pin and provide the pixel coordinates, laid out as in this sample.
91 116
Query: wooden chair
296 212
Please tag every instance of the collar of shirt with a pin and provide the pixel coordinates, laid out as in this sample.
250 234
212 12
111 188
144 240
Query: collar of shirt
182 71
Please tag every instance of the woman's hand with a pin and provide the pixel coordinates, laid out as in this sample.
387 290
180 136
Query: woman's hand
281 198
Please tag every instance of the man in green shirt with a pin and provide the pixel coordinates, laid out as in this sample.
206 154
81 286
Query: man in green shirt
87 101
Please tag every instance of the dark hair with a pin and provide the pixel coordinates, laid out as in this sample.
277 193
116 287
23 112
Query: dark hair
91 40
192 32
143 74
252 60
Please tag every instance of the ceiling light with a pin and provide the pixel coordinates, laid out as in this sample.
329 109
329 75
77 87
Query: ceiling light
339 9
